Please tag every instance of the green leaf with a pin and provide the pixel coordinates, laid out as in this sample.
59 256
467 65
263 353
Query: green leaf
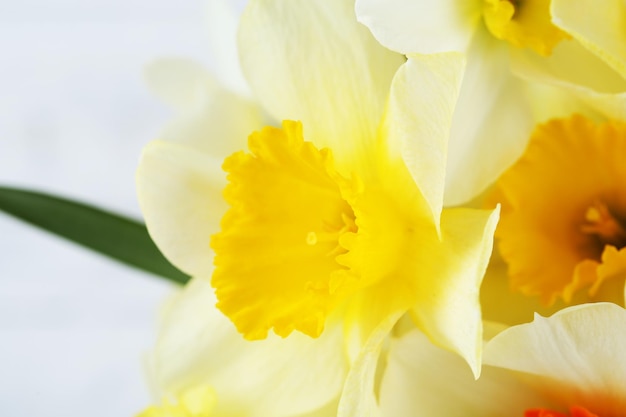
118 237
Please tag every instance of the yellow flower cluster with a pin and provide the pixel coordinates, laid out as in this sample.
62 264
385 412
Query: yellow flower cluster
335 196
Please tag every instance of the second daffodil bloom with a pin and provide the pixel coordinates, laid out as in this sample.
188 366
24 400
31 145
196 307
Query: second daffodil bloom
334 219
563 227
571 364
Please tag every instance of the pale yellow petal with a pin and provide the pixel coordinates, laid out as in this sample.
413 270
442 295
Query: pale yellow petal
448 307
181 83
569 63
579 349
491 123
180 194
185 349
424 380
328 410
422 26
600 27
578 72
197 345
418 119
312 61
358 398
552 102
612 106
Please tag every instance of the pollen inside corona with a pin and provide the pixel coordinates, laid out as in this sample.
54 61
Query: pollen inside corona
563 225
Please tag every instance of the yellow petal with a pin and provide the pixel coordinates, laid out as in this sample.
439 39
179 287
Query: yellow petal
311 61
579 350
421 26
418 119
599 27
179 191
447 307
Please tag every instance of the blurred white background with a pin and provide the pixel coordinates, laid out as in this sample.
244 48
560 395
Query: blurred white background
74 115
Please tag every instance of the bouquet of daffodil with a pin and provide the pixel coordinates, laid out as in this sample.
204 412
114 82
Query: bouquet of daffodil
330 199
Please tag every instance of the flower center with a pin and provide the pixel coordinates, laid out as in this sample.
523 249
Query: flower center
276 253
562 226
600 222
523 23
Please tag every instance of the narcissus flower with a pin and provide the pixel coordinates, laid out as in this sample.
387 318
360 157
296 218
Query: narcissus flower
571 364
335 220
563 225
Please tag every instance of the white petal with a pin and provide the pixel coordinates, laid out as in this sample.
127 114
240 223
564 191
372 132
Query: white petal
424 380
311 61
418 120
223 23
580 348
181 83
599 27
179 191
491 124
278 377
423 26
